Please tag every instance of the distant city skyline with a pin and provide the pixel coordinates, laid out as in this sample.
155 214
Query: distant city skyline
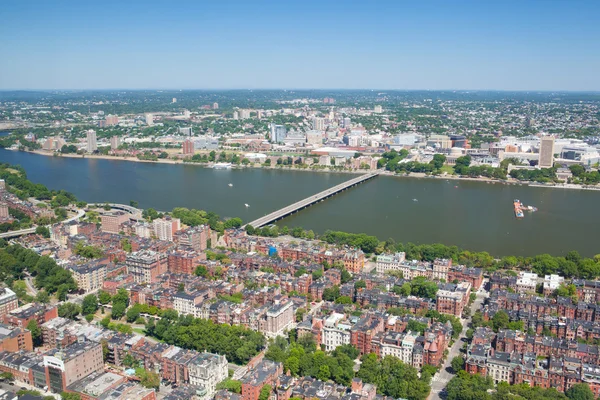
388 45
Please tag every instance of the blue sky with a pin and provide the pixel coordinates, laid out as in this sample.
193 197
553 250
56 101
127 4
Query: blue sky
451 44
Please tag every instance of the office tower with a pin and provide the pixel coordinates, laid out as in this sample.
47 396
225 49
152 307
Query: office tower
115 142
4 211
236 115
174 100
186 114
378 109
347 122
546 152
215 106
244 114
278 133
149 119
92 145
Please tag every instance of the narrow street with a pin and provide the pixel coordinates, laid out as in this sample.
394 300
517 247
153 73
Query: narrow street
441 379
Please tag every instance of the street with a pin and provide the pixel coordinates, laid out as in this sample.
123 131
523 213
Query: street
441 379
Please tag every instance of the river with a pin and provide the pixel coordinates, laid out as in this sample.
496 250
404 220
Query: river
472 215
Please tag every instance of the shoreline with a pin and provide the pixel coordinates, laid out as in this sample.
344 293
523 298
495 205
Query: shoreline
417 175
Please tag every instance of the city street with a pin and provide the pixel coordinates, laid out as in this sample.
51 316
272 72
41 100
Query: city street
441 379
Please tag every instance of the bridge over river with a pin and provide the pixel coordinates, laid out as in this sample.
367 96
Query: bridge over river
309 201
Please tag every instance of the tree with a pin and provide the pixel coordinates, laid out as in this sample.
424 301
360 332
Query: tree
580 391
70 396
43 297
118 310
43 231
148 379
132 314
500 320
230 385
103 297
69 310
89 304
265 392
36 332
458 364
360 284
201 270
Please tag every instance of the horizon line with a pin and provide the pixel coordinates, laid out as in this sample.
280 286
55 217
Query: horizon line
309 89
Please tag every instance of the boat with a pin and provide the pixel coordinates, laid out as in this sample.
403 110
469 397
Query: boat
222 166
230 185
246 205
518 210
415 200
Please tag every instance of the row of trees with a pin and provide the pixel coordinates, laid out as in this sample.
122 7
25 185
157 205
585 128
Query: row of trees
16 261
237 343
301 358
465 386
580 175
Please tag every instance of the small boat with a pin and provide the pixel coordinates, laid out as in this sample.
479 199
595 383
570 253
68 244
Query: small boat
415 200
455 187
230 185
246 205
222 166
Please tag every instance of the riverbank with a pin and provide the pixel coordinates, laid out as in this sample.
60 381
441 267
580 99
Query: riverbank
418 175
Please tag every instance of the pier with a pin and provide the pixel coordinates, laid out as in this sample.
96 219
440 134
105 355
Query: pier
309 201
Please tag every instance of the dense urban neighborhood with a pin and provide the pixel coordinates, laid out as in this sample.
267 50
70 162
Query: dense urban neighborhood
108 301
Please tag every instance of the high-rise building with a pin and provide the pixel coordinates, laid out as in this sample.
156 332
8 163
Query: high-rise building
92 145
187 131
215 106
4 211
378 109
186 114
174 99
2 184
319 124
259 114
149 119
347 122
115 142
546 152
278 133
236 115
111 120
244 114
164 228
188 147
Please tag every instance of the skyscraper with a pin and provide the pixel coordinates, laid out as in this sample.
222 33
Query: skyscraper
149 119
278 133
215 106
91 141
546 152
188 147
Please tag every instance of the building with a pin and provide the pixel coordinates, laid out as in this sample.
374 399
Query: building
4 211
149 119
526 282
89 277
92 144
146 265
389 262
336 331
165 227
279 317
215 106
278 133
74 362
115 142
319 124
265 372
184 262
195 238
186 131
13 339
449 302
207 370
2 184
188 147
377 109
112 222
32 311
111 120
8 301
546 152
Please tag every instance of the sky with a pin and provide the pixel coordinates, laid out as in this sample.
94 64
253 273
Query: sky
427 44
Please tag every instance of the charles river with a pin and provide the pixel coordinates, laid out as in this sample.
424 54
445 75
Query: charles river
473 215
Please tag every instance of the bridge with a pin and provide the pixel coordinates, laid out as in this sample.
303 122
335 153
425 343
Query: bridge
136 212
22 232
309 201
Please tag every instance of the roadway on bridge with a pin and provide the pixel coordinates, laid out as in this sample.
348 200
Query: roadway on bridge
276 215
